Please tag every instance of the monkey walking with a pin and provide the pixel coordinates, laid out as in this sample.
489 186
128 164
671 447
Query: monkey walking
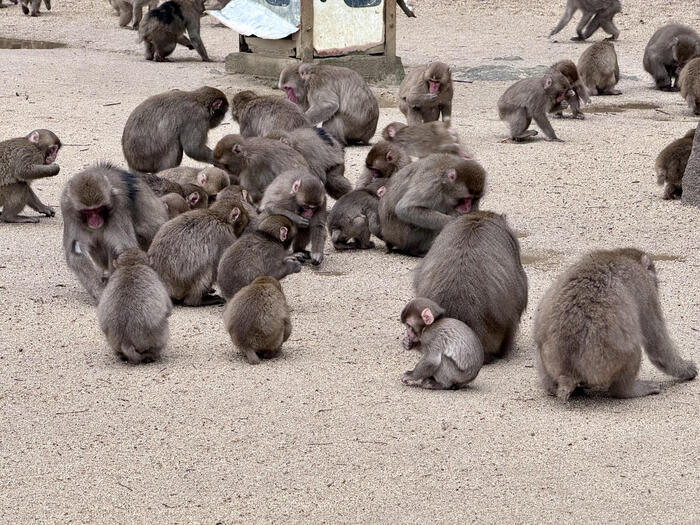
595 14
13 1
592 323
452 353
35 5
164 28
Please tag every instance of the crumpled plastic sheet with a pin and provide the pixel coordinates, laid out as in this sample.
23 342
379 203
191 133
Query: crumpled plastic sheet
260 18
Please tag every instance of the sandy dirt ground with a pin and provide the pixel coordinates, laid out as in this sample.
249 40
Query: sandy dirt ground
328 433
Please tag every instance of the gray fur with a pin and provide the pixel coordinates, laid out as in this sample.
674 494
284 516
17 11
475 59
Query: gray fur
355 216
595 14
671 164
421 140
160 38
689 82
383 160
668 50
599 69
418 103
258 115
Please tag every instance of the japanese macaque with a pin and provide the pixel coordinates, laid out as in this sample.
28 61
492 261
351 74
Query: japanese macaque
194 195
258 115
425 196
22 161
255 162
592 323
452 353
129 9
577 93
355 216
425 139
13 1
383 160
211 179
164 27
595 14
134 308
599 70
337 97
533 98
105 211
299 196
257 319
324 155
426 94
474 272
689 81
35 5
186 251
668 51
164 125
234 190
671 164
263 252
175 204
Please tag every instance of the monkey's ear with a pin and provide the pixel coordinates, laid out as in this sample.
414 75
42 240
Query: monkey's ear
217 104
452 175
391 131
34 137
547 82
193 198
283 233
389 156
201 178
427 316
296 186
381 191
245 195
234 214
236 148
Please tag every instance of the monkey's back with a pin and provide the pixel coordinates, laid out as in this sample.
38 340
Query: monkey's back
245 260
689 80
357 203
519 95
598 66
14 152
659 45
255 317
263 115
672 160
463 354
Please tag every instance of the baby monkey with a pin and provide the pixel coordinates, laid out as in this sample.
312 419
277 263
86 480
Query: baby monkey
452 353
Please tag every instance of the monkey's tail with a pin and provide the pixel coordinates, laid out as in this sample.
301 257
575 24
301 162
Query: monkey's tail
130 353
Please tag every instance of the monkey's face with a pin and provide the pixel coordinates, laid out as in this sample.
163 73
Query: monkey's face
293 85
51 153
437 78
229 155
381 162
414 328
309 202
95 217
217 111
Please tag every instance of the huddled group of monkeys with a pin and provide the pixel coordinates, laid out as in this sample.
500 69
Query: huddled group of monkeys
141 238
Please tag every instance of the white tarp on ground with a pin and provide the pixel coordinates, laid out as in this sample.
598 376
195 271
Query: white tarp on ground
272 19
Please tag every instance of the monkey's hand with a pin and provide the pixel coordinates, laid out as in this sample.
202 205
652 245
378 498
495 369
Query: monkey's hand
48 211
407 377
292 263
316 258
407 343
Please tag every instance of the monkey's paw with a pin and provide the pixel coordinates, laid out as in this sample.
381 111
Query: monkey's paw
689 371
316 258
406 377
49 212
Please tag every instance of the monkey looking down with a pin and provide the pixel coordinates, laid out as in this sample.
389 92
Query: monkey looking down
425 139
258 115
383 160
668 51
599 69
577 93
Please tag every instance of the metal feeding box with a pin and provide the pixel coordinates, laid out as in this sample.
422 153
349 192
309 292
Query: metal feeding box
359 34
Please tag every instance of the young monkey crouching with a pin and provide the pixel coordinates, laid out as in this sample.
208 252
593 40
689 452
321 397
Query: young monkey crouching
452 353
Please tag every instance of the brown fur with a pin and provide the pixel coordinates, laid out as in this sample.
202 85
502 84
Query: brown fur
416 100
578 91
668 51
194 195
211 179
689 81
599 70
595 14
383 160
174 204
355 216
129 9
671 164
258 116
425 139
164 28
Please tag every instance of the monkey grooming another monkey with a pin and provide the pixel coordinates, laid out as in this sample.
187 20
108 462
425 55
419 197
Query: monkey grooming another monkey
425 196
426 93
257 319
164 125
667 52
186 250
592 323
383 160
164 28
576 94
599 70
105 211
211 179
134 308
595 14
452 353
355 216
129 9
671 163
299 196
337 97
474 272
689 81
35 6
533 98
255 162
263 252
194 195
234 190
22 161
425 139
324 155
258 115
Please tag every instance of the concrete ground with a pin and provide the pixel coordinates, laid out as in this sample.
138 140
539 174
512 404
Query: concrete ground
328 433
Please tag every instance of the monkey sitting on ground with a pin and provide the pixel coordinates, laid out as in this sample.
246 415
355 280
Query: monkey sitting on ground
595 14
35 6
355 216
194 195
134 308
474 272
105 211
164 125
592 323
255 162
425 196
533 98
667 52
324 155
234 190
383 160
263 252
425 139
258 115
599 69
186 250
211 179
299 196
426 93
452 354
576 94
23 160
175 204
164 28
132 8
257 319
671 163
689 81
338 97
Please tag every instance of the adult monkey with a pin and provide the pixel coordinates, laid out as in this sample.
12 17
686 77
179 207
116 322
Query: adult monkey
596 14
